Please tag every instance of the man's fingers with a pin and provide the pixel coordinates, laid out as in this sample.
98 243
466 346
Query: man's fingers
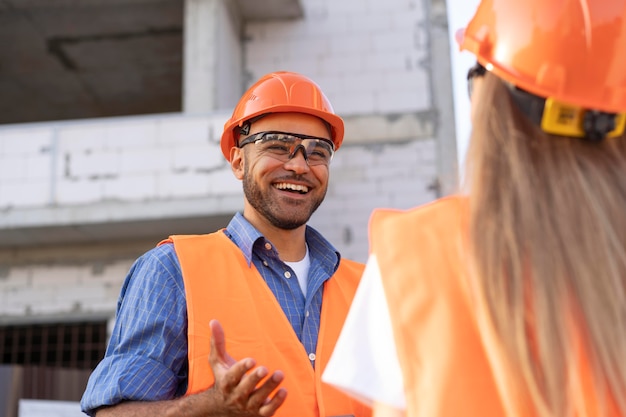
239 383
243 388
229 379
218 340
269 408
218 346
249 382
261 394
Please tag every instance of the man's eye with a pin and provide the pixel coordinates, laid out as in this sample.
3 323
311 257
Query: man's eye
277 146
319 154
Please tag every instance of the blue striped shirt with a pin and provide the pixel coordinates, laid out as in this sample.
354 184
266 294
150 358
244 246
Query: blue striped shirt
146 358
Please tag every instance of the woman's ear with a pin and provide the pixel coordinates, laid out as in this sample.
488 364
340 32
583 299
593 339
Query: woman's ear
237 161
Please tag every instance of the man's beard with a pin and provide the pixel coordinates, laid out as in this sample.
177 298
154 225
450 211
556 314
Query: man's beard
272 211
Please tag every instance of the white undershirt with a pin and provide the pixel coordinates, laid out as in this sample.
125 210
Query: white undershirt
301 269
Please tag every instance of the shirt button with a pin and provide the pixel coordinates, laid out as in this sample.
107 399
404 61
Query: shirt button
265 263
312 356
306 314
287 274
268 246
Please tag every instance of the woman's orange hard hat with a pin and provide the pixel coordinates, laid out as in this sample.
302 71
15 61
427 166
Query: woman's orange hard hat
571 50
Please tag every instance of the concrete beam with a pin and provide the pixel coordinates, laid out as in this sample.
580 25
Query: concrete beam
111 221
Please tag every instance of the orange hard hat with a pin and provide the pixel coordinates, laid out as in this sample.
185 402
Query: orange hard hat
281 92
571 50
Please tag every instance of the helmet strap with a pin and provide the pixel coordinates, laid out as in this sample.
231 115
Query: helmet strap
244 129
593 125
597 124
531 105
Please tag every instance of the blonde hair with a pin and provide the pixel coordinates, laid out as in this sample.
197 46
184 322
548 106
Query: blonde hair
548 236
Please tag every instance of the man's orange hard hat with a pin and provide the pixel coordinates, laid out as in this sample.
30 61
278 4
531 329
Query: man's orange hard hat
281 92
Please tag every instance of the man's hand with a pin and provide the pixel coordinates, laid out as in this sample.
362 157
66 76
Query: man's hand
240 390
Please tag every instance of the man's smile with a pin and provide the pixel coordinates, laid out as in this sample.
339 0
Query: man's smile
297 188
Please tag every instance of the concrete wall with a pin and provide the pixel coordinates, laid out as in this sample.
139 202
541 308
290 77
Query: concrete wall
369 56
119 159
145 163
380 63
375 62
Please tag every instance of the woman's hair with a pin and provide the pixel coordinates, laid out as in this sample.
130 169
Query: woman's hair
548 238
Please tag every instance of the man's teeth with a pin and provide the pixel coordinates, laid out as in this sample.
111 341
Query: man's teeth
292 187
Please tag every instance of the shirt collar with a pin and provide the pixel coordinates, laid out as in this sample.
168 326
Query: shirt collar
244 235
321 249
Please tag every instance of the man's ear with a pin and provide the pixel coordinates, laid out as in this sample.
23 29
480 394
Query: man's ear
237 161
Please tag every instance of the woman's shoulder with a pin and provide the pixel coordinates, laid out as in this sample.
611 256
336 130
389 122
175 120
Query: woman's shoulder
441 211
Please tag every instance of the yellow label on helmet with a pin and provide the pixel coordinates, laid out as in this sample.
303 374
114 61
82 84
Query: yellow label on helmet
567 120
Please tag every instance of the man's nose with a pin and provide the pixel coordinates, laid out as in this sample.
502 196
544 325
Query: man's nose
297 163
294 153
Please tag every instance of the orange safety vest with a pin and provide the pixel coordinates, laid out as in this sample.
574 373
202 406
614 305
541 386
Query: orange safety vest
219 284
445 365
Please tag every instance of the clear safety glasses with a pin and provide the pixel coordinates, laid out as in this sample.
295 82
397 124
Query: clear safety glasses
284 146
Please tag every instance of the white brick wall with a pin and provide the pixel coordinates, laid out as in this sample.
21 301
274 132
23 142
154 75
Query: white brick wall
367 177
366 55
362 178
40 289
123 159
369 56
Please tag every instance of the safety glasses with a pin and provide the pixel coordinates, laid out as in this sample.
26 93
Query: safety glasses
284 146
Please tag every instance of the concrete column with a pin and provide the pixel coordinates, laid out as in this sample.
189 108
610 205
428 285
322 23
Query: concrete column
442 94
212 75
